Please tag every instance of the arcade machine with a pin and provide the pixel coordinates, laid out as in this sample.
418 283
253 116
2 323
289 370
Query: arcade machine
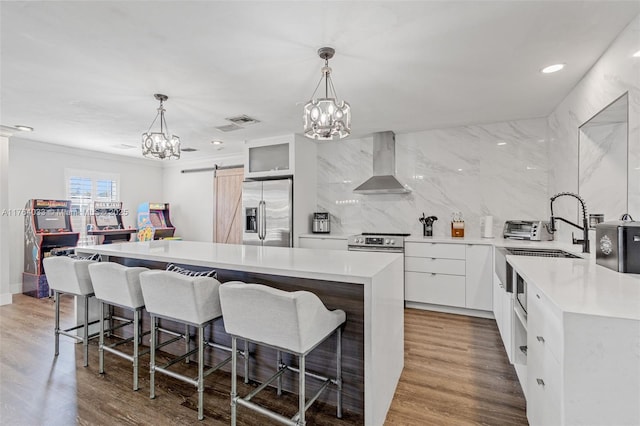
47 230
106 223
154 222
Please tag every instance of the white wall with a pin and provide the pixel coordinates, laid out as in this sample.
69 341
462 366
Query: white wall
36 170
191 195
615 73
5 248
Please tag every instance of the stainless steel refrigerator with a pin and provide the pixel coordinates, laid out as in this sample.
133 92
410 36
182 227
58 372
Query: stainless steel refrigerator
267 208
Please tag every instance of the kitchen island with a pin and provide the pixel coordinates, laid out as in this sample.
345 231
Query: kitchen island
581 329
369 287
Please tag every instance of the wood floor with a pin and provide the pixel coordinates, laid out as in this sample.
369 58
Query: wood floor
456 373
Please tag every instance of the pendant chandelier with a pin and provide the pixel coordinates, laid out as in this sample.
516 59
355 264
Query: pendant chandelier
327 118
160 144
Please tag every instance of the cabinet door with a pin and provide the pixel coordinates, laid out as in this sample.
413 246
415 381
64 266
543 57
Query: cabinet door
269 157
497 301
479 272
439 289
435 250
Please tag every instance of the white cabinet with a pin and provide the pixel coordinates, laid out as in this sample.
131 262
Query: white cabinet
457 275
503 313
330 243
269 157
479 272
544 350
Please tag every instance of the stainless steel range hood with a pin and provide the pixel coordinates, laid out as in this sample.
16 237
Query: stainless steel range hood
383 180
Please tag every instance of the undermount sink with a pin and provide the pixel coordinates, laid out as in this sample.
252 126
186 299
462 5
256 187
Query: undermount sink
542 253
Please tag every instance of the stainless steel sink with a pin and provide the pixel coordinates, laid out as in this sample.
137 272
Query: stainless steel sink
541 252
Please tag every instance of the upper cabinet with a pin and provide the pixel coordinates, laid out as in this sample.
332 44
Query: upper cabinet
270 157
287 155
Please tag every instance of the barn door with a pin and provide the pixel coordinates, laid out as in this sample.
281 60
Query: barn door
228 205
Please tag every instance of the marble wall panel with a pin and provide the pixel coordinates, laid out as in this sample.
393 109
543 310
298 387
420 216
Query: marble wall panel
615 73
496 169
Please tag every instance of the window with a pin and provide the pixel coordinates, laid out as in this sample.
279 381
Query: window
83 188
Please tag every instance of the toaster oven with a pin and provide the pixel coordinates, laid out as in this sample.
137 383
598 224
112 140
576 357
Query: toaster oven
533 230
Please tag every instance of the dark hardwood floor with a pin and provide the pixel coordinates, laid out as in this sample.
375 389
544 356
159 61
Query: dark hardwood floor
456 372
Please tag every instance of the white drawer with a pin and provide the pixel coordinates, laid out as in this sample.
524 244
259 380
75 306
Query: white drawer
434 265
323 243
438 289
439 250
544 389
544 322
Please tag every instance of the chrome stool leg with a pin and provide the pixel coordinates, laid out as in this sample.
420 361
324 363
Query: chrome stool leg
200 372
339 372
234 384
152 361
246 361
301 391
136 347
278 367
56 297
85 331
101 341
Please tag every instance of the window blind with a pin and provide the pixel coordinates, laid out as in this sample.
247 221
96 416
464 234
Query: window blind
83 189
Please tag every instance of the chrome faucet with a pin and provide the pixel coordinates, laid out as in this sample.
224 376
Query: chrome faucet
585 224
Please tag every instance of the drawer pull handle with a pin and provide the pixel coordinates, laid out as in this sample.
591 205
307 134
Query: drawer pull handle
540 382
540 339
538 296
433 273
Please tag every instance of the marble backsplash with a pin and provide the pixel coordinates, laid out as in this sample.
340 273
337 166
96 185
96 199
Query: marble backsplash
498 169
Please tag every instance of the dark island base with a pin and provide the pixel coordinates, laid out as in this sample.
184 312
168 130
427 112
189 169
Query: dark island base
335 295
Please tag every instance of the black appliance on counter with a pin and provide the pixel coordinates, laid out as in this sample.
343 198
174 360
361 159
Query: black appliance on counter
321 223
618 245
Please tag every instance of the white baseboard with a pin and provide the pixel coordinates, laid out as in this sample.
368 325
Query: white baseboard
450 310
6 299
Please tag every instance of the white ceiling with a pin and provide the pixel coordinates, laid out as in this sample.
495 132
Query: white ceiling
83 74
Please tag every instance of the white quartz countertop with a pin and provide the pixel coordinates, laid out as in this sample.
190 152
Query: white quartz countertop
581 286
330 265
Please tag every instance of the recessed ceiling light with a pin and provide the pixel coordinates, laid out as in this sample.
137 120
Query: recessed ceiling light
459 170
637 54
217 142
501 143
552 68
24 128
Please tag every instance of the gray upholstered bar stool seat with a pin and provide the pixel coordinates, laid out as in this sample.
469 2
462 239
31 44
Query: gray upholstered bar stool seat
119 285
70 276
189 300
293 322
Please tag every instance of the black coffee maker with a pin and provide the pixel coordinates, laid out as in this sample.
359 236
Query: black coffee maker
427 224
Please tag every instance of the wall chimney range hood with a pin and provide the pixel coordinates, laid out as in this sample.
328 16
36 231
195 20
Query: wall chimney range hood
383 180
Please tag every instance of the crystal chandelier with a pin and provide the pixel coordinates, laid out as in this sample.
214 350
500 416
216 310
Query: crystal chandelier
163 144
325 118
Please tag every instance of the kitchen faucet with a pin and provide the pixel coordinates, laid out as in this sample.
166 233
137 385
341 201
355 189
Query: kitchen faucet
585 225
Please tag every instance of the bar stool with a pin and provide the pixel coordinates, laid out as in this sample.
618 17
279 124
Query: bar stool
119 285
193 301
293 322
70 276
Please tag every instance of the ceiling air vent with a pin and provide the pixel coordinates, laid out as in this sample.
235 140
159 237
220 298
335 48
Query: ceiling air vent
188 150
229 128
243 120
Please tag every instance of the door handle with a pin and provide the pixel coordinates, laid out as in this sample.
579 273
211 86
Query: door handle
263 219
